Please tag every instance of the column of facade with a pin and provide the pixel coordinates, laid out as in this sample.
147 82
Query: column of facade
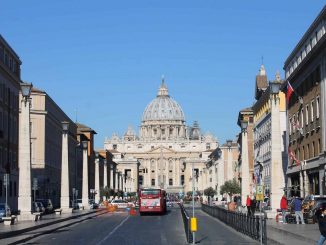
156 173
121 182
111 178
135 178
24 158
178 168
64 197
97 179
276 176
174 171
167 165
85 175
229 168
245 190
149 173
116 180
105 174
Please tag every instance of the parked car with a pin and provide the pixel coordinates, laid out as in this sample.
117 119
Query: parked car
310 204
120 203
4 210
47 204
80 204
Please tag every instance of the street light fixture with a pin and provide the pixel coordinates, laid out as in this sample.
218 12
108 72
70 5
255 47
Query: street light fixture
26 89
65 126
244 125
85 144
274 87
229 143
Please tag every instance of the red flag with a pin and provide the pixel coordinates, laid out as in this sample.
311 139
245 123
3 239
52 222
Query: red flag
292 157
290 90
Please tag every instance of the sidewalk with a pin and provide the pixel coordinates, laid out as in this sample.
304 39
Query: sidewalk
279 233
50 219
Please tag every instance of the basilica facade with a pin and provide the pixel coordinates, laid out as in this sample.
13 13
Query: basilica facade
165 150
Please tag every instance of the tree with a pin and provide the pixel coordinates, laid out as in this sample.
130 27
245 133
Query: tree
230 187
210 192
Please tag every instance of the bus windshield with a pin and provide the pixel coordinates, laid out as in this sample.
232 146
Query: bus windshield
150 192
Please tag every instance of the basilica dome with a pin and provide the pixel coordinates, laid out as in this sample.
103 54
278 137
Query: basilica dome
163 107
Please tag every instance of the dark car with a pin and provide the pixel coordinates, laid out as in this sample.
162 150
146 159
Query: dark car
310 204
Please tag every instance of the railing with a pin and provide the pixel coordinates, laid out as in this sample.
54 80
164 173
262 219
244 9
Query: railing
186 222
248 225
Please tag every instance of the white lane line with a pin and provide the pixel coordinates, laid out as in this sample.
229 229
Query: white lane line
114 230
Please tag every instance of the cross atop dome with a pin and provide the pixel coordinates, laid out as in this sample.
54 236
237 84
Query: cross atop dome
163 90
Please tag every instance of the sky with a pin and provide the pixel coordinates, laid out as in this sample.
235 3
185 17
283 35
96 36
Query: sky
102 61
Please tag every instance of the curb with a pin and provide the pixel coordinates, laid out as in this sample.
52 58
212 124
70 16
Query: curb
34 227
294 235
57 228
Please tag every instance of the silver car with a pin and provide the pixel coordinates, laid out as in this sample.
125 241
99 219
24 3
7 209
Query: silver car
4 210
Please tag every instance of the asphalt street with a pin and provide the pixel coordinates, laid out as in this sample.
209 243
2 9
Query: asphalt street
121 228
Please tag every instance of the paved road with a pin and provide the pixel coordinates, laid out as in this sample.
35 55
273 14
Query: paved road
142 230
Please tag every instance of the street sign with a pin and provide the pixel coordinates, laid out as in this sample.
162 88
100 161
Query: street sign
260 193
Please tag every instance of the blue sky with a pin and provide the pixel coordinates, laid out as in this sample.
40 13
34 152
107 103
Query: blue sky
105 58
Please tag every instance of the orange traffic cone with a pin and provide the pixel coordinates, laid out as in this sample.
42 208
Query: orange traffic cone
132 211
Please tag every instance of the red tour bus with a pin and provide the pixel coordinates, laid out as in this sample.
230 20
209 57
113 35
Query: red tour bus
152 200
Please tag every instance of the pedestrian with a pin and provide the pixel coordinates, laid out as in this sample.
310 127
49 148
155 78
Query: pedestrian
248 204
298 210
284 208
321 219
239 203
253 206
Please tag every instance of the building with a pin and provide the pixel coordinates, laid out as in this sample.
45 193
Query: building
163 154
9 114
269 171
305 71
46 147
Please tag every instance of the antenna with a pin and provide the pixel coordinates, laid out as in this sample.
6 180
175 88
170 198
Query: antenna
76 112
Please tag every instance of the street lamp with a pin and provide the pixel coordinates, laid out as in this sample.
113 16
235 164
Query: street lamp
229 143
244 125
24 155
64 198
229 166
85 174
274 87
97 178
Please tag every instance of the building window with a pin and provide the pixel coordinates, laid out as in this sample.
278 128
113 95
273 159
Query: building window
153 182
152 147
114 147
307 114
163 131
308 151
313 149
317 106
170 146
319 151
301 118
208 146
182 179
312 111
170 182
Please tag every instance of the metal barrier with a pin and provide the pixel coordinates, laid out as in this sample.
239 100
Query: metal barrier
186 222
248 225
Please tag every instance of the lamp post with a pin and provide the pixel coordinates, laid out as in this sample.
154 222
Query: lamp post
245 163
229 168
64 198
97 178
276 171
24 155
85 174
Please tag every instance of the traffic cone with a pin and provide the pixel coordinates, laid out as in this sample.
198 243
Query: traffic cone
132 211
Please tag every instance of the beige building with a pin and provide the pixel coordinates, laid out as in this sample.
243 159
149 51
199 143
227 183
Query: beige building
9 92
163 154
46 147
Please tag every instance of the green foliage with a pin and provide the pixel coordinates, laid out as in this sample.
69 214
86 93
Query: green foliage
210 192
189 193
230 187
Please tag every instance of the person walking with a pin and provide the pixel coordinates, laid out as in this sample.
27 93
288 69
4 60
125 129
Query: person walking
298 210
248 204
253 205
284 208
321 219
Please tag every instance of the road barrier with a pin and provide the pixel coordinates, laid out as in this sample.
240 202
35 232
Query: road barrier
186 222
248 225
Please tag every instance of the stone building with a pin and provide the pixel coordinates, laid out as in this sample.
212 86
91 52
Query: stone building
163 153
9 114
46 147
270 159
305 71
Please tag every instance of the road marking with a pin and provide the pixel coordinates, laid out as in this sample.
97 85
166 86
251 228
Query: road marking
114 230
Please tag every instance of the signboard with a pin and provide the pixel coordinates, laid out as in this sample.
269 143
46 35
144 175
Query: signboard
260 193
